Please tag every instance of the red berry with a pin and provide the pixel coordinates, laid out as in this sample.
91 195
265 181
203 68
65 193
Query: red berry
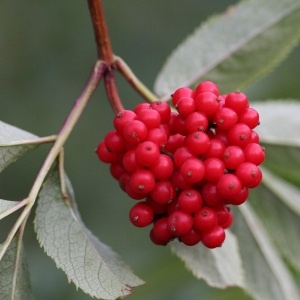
150 117
174 142
157 208
210 195
197 142
116 170
233 156
249 174
229 186
190 200
163 109
157 136
180 223
237 101
223 213
135 131
192 170
181 155
185 106
181 92
254 153
163 167
206 86
196 121
225 118
214 169
192 238
216 149
141 214
207 103
249 117
160 233
163 192
146 154
240 198
141 106
105 155
115 142
142 181
214 237
240 135
129 161
179 182
122 118
205 219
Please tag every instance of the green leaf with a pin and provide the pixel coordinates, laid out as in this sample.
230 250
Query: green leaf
14 143
266 275
14 274
279 124
277 203
90 264
220 267
234 49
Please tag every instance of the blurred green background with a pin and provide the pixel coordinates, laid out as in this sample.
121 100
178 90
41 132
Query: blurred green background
47 50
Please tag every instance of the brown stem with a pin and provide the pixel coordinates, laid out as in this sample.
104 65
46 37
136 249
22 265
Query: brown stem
112 92
101 32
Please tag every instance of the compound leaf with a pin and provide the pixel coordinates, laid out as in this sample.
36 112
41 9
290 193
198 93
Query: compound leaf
14 274
234 49
220 267
90 264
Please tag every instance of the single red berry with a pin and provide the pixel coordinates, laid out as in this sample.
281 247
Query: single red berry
178 125
233 156
214 169
122 118
115 142
225 118
185 106
142 181
181 92
174 142
211 196
160 233
192 170
163 109
150 117
180 223
223 213
163 167
216 149
192 238
229 186
207 103
116 170
250 117
179 182
254 153
163 192
229 222
240 135
141 106
133 194
254 137
129 161
197 142
196 121
141 214
206 86
135 132
205 219
190 200
222 135
146 154
237 101
124 181
105 155
240 198
214 237
157 136
249 174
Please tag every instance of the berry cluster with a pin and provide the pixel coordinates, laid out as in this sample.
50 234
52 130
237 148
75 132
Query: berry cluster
187 166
